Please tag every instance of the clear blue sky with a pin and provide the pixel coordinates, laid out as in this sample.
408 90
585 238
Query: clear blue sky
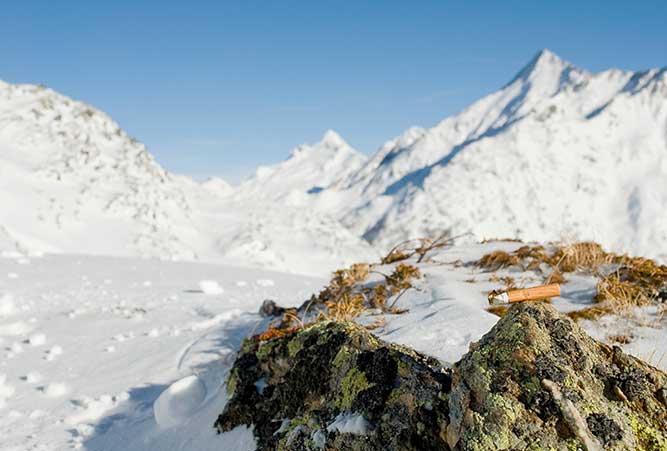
219 87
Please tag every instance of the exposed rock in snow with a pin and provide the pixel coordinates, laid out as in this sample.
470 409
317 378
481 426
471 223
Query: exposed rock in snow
341 388
537 377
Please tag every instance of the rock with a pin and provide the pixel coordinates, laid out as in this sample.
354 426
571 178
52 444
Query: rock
269 309
500 400
536 381
335 386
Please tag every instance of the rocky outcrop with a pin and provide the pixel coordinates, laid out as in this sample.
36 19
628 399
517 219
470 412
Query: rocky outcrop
335 386
536 381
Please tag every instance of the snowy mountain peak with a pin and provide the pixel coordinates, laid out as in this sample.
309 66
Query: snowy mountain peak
309 169
544 61
333 139
546 74
558 150
330 144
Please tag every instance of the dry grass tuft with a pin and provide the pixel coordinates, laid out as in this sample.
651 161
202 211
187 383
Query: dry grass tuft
379 296
590 313
401 278
637 282
346 297
419 247
276 332
533 252
497 260
345 308
508 281
621 339
582 256
621 295
497 240
377 323
395 255
645 272
556 277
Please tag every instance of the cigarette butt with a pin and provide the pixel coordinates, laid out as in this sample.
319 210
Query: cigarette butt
530 294
524 294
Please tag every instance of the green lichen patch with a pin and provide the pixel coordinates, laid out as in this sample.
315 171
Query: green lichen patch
352 384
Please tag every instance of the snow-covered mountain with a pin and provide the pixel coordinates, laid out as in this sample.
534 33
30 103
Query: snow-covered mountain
309 169
71 180
556 153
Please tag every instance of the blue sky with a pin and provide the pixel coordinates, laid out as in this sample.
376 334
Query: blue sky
216 88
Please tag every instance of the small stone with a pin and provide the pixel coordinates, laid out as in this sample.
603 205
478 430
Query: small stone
269 309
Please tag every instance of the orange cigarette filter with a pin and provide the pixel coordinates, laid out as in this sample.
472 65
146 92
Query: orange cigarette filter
531 294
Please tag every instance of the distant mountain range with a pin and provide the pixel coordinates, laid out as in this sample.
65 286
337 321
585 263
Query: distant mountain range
557 153
72 181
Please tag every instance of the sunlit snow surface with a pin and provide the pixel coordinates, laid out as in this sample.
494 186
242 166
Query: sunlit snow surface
87 345
105 353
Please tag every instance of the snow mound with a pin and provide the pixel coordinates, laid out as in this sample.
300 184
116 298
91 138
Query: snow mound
37 339
5 390
55 389
210 287
178 402
7 306
32 377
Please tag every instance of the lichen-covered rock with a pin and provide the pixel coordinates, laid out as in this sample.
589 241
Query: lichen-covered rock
538 381
334 386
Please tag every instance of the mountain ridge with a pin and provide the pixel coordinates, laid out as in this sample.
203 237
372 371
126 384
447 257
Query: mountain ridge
556 153
71 180
568 108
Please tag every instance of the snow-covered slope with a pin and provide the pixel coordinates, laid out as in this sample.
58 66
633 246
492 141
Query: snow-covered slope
72 181
557 152
111 354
